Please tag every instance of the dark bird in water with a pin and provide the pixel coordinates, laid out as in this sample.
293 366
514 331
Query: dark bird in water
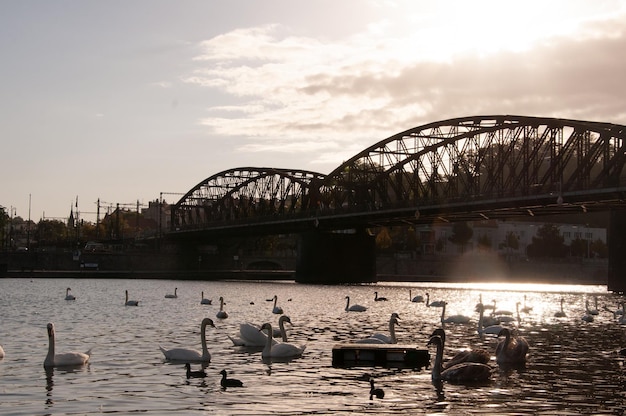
194 374
379 298
512 350
470 356
379 393
465 372
229 382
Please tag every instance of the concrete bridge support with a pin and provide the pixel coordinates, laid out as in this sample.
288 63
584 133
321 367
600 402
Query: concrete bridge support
617 251
329 258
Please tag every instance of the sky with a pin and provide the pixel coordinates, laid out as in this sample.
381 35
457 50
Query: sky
124 101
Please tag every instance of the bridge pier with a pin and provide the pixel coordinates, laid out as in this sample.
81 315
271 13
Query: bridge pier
329 258
617 251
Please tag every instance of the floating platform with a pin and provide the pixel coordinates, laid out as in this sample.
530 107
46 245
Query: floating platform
382 355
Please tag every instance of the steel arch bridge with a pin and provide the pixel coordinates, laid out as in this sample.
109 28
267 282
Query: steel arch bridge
467 168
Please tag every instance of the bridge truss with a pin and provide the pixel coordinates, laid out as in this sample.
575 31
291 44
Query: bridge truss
468 168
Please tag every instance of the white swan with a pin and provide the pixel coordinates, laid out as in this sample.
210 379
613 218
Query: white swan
222 313
379 338
560 313
465 372
64 359
483 328
204 301
280 350
591 311
130 302
175 295
1 352
511 350
354 308
526 309
250 336
69 296
436 304
189 354
452 319
417 298
277 309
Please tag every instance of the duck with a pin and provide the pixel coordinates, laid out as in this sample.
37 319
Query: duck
436 304
560 313
478 355
250 336
379 298
417 298
66 359
279 350
221 314
203 300
512 350
130 302
354 308
229 382
379 338
68 295
379 393
277 309
452 319
190 354
172 296
194 374
464 372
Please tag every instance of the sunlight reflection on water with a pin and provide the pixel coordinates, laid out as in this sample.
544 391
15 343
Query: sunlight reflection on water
573 366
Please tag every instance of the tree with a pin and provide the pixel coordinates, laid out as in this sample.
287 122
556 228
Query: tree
578 248
383 239
548 242
4 221
599 248
484 241
461 234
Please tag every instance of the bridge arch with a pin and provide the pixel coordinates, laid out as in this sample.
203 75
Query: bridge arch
244 193
481 158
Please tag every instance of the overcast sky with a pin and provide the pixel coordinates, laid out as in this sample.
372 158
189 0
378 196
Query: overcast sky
120 100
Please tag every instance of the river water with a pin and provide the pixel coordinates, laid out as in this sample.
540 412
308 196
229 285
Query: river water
573 366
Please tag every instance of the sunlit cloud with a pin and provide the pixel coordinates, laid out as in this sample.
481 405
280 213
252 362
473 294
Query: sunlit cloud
300 94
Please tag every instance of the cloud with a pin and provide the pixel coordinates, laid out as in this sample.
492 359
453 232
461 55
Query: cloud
300 94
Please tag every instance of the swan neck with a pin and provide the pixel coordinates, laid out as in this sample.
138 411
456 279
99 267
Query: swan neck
270 338
281 325
205 351
49 361
437 366
443 313
347 303
392 331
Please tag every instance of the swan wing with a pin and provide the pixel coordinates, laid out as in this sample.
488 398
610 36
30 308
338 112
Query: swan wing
467 373
370 340
71 358
385 339
183 354
286 350
469 356
252 337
